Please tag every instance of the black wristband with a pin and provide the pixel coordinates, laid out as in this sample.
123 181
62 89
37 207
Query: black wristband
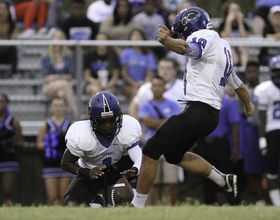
135 169
83 171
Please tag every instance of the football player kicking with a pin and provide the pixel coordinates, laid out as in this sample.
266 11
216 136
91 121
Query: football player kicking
97 150
209 68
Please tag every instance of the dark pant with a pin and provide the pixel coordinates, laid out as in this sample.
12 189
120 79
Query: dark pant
179 133
84 190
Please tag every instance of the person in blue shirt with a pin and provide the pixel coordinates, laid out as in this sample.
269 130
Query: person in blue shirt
216 149
137 65
254 163
152 114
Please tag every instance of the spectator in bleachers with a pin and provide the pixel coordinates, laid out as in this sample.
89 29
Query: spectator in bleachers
254 164
149 20
167 69
102 68
234 26
8 31
137 65
56 15
167 7
58 71
78 26
99 10
118 26
28 12
137 6
260 17
51 140
271 31
10 144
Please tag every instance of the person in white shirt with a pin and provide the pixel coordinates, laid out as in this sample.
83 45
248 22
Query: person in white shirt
167 69
99 10
208 70
268 98
96 150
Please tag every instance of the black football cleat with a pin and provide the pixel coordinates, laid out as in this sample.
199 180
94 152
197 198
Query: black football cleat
231 184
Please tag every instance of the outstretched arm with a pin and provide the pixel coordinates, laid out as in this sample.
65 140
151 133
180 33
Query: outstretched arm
244 97
179 46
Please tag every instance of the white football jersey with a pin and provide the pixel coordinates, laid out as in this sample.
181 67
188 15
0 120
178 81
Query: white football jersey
83 143
173 92
206 76
268 98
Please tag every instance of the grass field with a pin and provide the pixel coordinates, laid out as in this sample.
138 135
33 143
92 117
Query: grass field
185 212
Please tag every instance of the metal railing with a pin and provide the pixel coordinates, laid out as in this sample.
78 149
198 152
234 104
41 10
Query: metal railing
255 42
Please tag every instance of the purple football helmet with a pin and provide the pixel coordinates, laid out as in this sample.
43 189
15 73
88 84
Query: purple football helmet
190 20
274 66
104 109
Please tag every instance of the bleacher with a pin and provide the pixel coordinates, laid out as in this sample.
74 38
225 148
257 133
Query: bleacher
31 107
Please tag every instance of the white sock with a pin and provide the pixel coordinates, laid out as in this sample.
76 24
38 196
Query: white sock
217 176
139 200
274 196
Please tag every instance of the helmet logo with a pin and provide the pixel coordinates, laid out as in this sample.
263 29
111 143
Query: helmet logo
107 111
193 15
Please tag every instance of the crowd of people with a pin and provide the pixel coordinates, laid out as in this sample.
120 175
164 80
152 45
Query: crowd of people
150 80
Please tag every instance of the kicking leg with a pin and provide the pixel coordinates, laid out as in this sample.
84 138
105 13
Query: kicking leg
195 164
145 181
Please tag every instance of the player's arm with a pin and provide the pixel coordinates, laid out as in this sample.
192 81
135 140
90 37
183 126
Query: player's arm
135 155
179 46
18 133
40 136
262 139
244 97
133 109
69 164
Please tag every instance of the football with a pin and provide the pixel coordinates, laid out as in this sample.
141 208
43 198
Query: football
122 192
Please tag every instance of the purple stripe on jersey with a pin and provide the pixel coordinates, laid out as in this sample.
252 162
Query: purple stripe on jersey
11 166
236 79
132 146
194 50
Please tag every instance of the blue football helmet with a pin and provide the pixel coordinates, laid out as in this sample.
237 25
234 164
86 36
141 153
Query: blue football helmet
274 66
105 114
190 20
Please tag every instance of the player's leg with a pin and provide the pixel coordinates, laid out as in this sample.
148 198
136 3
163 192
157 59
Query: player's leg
51 185
154 197
273 152
6 187
63 183
145 181
82 191
195 164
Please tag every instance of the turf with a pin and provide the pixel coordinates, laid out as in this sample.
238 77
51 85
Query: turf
185 212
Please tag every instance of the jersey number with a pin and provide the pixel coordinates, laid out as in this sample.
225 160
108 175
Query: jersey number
276 112
200 41
228 68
